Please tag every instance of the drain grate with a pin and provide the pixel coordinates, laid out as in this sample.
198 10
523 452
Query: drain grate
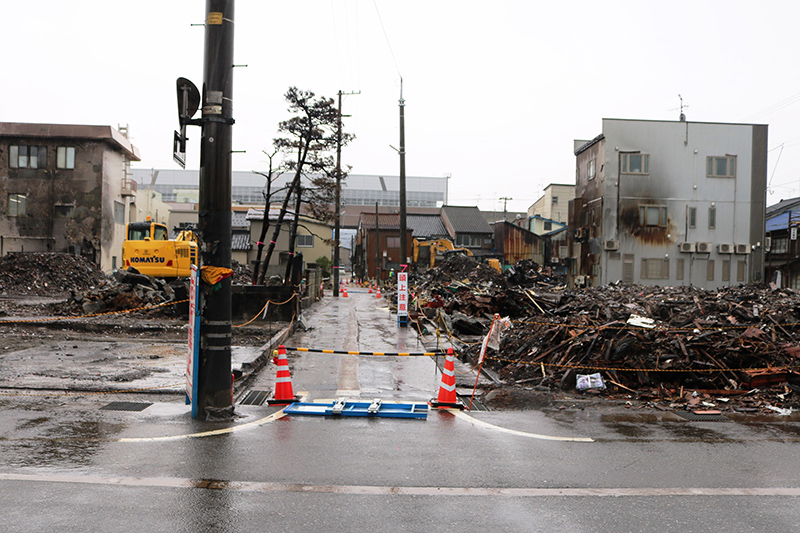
255 397
126 406
695 417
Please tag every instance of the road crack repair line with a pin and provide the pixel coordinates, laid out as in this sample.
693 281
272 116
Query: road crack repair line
514 492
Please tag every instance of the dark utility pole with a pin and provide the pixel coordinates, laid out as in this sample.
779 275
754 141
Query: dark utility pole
337 224
214 377
403 244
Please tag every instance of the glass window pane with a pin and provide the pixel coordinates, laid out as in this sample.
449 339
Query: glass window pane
721 167
13 155
23 157
709 166
692 217
60 157
646 164
635 163
712 218
70 157
732 166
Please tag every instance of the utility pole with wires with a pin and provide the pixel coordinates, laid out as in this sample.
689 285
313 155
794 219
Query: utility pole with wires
403 259
505 203
337 223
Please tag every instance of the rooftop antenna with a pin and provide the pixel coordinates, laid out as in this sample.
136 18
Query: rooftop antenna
682 117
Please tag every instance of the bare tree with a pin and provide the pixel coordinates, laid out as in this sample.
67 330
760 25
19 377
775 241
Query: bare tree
271 175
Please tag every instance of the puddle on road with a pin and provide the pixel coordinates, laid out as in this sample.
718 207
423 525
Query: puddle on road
65 443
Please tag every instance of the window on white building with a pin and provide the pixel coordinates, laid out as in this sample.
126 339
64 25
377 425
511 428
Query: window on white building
635 163
304 241
655 268
653 215
721 167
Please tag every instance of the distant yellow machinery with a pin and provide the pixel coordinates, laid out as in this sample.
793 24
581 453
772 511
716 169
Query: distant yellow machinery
148 249
436 246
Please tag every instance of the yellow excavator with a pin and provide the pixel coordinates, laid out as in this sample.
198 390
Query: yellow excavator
148 249
435 247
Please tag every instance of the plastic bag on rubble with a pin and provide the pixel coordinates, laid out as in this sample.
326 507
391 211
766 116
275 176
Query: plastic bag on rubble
590 381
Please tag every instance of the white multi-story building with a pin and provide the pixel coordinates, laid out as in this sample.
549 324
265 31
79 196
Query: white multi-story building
670 203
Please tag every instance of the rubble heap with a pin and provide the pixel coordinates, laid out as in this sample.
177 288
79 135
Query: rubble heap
125 290
47 273
654 342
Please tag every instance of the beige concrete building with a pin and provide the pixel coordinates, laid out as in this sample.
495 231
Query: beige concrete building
65 188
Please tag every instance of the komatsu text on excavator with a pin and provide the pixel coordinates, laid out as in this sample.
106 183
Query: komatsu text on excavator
148 249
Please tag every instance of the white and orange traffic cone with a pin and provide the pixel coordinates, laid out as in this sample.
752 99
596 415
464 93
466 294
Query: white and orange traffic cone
378 295
370 289
283 381
447 398
344 292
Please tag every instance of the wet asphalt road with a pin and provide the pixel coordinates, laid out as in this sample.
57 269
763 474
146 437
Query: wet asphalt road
68 465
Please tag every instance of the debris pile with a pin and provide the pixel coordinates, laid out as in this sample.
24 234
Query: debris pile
466 286
47 274
125 290
676 346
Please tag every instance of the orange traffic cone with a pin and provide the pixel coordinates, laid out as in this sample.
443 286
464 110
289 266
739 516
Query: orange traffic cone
370 289
283 381
378 295
447 391
344 292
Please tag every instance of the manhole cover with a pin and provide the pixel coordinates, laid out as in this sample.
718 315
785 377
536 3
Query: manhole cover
695 417
126 406
255 397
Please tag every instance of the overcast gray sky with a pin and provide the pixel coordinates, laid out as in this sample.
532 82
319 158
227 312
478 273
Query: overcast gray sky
495 91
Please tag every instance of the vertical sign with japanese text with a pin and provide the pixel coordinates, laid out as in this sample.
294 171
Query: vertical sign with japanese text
194 342
402 294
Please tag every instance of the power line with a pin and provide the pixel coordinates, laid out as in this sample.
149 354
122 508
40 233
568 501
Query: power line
386 36
773 108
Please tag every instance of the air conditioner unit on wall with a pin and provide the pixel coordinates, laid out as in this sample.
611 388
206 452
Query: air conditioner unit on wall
742 249
687 247
725 248
704 247
612 244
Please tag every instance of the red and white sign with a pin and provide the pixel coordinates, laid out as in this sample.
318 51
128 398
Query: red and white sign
402 294
192 362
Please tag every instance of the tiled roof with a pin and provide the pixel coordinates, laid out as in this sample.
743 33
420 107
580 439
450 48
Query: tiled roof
426 226
385 220
239 220
466 219
240 240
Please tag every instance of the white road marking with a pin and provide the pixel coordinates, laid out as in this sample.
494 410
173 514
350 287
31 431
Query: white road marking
474 421
515 492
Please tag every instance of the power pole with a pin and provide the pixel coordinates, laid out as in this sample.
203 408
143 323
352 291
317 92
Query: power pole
505 202
403 238
214 377
337 224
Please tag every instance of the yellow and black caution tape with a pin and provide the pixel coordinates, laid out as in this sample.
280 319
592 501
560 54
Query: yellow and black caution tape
345 352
